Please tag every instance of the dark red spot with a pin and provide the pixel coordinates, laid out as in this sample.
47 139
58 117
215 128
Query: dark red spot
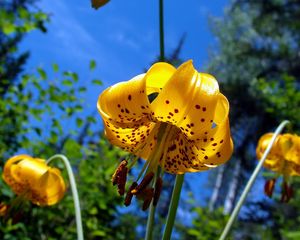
167 101
214 144
176 110
211 139
129 97
204 109
206 157
192 133
202 119
126 110
172 148
204 140
197 106
221 141
119 105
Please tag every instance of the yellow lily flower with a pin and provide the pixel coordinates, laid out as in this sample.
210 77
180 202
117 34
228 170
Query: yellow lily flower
34 180
284 158
173 118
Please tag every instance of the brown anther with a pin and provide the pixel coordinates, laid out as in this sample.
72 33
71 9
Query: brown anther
129 195
157 191
149 192
143 184
269 187
116 175
122 181
287 193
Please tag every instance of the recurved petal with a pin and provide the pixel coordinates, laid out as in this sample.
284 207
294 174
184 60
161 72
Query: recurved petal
30 170
50 188
179 156
215 148
139 140
157 77
125 103
263 144
290 147
275 163
172 102
9 175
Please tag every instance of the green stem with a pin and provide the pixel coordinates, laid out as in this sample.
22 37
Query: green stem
251 181
161 31
173 207
152 209
74 193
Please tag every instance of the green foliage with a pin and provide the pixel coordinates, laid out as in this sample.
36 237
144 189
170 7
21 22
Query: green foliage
205 224
280 98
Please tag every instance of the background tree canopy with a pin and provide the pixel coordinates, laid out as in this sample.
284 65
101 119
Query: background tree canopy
257 62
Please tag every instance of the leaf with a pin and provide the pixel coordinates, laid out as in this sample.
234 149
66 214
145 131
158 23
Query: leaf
42 73
92 65
55 67
79 122
67 83
97 82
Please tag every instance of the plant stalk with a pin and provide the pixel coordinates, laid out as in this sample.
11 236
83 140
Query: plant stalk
251 181
74 193
173 207
161 31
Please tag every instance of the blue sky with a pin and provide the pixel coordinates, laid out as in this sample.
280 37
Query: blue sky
123 39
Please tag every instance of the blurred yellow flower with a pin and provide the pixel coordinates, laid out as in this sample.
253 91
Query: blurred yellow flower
173 118
32 179
284 158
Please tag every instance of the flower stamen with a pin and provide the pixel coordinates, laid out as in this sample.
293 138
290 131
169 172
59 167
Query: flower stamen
144 183
129 195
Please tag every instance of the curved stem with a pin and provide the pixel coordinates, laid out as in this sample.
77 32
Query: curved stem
74 193
173 207
251 181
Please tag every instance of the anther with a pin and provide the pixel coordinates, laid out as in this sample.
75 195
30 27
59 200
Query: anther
144 183
116 175
269 187
287 193
149 192
122 181
129 195
157 190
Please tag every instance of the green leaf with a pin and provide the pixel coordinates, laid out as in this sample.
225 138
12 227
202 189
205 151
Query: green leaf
97 82
55 67
67 83
92 65
42 73
79 122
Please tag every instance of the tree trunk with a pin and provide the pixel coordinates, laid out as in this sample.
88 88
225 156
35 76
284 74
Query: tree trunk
217 187
231 195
